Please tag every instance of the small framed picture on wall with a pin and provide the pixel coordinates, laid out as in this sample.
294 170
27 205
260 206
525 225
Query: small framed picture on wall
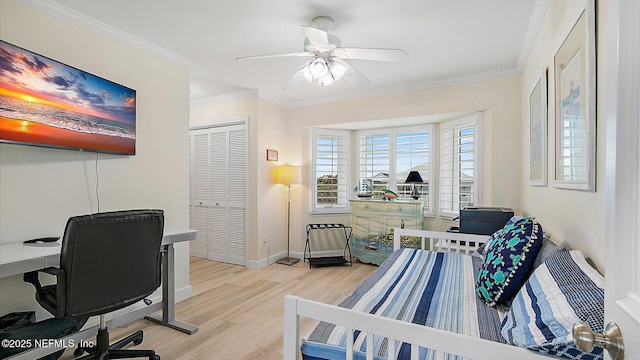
272 155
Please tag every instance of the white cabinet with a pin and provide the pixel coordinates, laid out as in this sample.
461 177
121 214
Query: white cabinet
372 221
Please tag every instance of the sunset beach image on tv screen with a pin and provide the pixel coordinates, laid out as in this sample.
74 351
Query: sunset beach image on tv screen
46 103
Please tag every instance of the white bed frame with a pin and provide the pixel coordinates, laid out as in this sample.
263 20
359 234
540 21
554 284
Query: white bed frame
395 330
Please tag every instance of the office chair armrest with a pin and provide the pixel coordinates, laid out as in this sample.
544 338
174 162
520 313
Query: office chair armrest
61 284
32 276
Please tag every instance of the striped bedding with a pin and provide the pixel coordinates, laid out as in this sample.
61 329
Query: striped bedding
429 288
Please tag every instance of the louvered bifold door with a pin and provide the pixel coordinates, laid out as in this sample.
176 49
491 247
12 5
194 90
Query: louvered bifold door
218 187
237 196
218 192
199 193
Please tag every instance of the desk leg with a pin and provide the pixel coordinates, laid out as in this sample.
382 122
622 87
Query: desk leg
168 296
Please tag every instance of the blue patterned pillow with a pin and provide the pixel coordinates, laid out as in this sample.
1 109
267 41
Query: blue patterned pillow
563 290
482 250
508 261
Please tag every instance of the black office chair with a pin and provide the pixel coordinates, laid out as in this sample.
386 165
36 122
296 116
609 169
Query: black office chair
108 261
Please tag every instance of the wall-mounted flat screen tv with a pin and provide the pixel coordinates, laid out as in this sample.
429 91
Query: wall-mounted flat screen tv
46 103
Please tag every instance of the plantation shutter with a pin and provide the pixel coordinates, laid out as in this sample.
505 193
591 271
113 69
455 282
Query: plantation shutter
386 156
459 164
374 157
413 153
330 172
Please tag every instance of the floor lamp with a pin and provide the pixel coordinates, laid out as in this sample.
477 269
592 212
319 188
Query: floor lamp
288 175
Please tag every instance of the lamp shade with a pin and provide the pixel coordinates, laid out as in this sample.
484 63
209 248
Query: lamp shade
413 177
325 71
288 175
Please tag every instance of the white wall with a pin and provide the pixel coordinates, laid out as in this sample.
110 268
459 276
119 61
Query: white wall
41 188
571 217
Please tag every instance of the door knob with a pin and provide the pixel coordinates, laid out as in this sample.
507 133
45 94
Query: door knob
610 339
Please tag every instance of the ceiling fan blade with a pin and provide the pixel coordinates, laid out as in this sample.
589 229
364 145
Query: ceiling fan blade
259 57
353 76
316 36
394 55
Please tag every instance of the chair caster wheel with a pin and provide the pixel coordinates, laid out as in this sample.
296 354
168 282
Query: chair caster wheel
137 341
78 352
155 357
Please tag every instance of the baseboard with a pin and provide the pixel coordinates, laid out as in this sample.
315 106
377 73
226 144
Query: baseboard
183 293
264 262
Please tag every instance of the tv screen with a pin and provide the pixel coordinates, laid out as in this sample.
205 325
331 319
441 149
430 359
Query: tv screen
47 103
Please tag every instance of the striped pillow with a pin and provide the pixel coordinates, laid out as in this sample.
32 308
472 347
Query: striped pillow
564 290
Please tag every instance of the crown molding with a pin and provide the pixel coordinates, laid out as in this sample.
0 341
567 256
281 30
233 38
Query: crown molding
99 27
239 95
274 99
226 97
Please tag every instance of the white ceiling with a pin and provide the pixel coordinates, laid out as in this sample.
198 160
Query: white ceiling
448 41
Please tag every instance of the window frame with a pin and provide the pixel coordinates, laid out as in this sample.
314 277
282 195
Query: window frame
393 182
343 182
474 120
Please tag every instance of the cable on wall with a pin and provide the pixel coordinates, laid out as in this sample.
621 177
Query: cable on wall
97 182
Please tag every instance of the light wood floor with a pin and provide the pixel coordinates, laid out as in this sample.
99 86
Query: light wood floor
239 311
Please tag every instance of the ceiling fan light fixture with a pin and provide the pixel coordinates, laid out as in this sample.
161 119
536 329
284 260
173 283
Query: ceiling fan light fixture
327 58
326 80
337 70
325 71
319 68
305 72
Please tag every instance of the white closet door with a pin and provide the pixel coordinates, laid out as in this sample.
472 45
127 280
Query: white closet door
218 190
199 194
237 195
219 193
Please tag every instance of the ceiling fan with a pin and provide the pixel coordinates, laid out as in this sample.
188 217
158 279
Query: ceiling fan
327 64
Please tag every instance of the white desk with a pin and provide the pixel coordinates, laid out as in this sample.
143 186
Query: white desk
18 258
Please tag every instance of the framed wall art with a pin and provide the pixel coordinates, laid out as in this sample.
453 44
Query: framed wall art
46 103
538 132
272 155
575 105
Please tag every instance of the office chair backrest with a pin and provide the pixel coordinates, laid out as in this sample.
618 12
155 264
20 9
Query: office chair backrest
111 260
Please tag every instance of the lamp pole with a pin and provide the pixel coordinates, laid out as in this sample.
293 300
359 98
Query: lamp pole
288 175
288 260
